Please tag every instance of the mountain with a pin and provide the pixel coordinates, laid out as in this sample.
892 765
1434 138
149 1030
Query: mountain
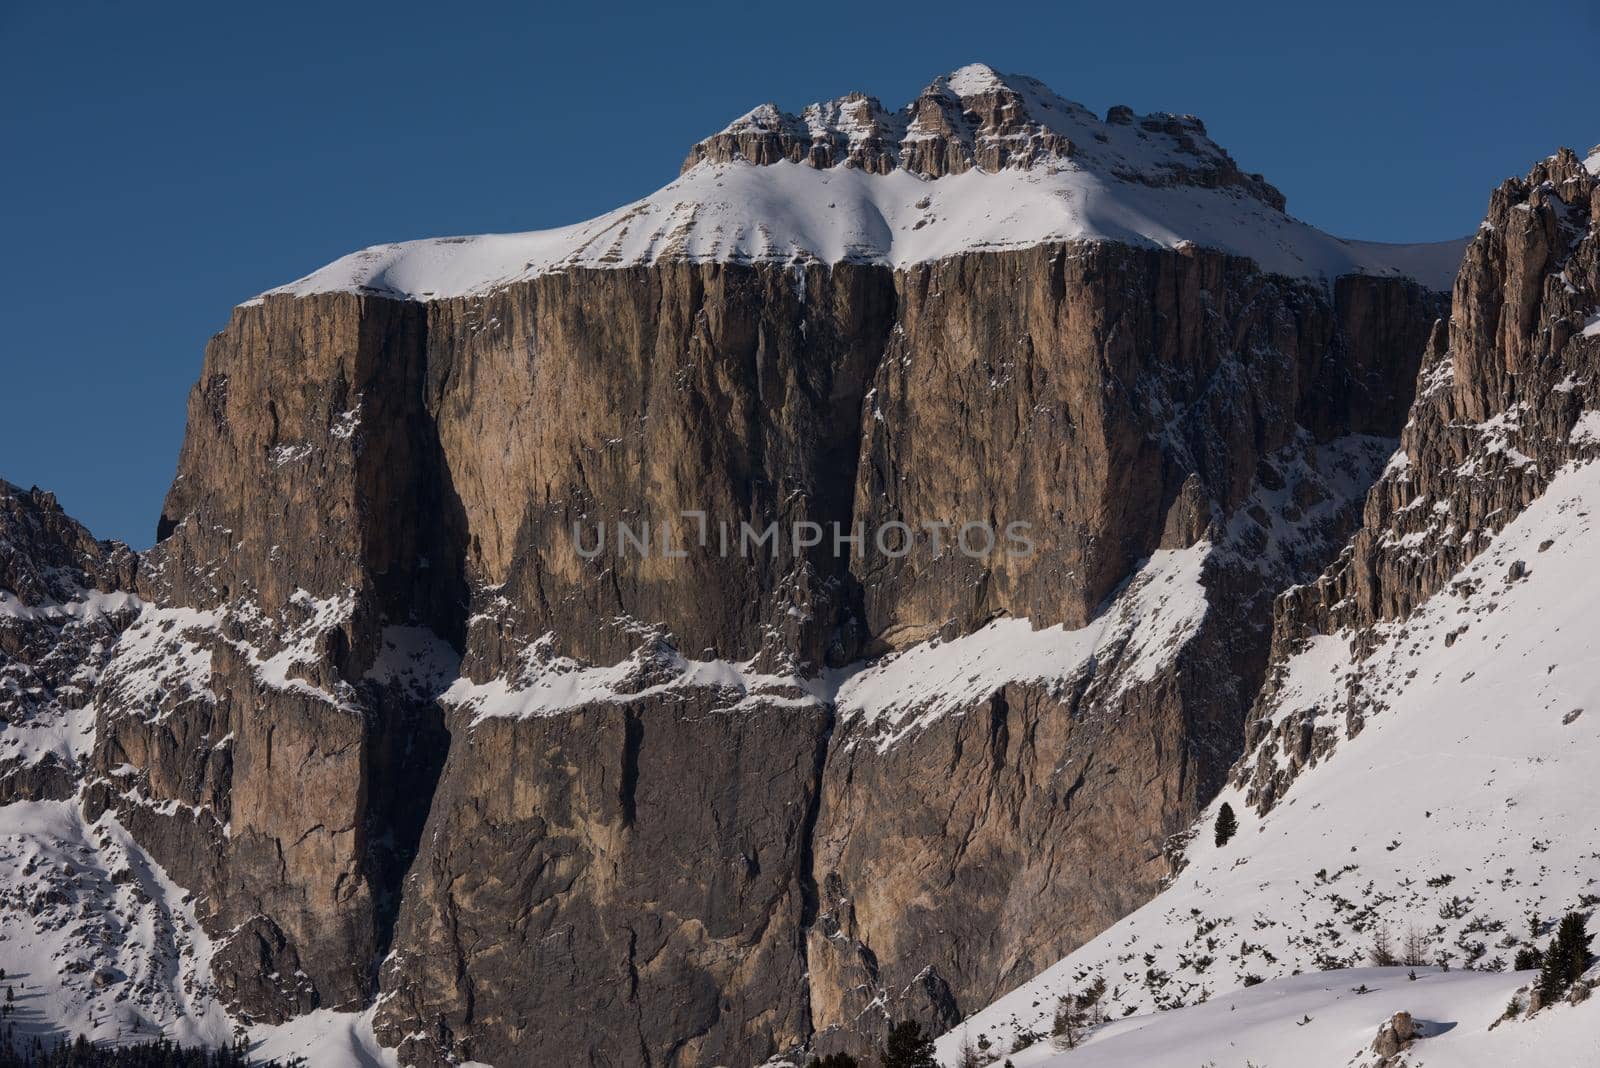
978 162
1420 763
432 773
63 601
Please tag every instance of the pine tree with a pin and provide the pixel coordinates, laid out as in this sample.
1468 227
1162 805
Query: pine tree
908 1047
1076 1012
1382 952
1567 958
1227 824
836 1060
1415 952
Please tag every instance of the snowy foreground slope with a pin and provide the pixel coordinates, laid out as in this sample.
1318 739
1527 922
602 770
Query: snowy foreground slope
1331 1018
1467 812
94 938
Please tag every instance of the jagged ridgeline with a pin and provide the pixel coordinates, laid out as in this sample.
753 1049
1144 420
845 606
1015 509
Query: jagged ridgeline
406 747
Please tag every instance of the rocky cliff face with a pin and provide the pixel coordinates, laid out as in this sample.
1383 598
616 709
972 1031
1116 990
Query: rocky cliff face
786 855
1503 404
1427 715
694 807
63 601
301 530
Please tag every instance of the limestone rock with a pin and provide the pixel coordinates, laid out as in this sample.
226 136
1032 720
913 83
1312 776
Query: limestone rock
374 490
1504 400
975 118
64 599
1396 1035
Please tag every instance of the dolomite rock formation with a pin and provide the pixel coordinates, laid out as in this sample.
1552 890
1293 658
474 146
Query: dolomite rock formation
761 894
695 810
254 693
582 870
63 601
1501 407
971 118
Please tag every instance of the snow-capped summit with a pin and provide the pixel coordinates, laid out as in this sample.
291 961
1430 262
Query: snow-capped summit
975 118
977 162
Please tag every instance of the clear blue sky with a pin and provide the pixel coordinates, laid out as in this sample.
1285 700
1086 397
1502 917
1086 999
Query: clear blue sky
162 162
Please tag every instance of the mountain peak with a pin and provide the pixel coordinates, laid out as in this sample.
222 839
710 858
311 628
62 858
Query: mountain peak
976 118
978 161
972 79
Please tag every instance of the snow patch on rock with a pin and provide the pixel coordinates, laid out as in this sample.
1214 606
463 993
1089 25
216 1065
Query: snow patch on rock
1145 624
547 683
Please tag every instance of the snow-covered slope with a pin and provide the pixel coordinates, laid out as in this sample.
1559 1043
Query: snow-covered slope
44 704
1332 1018
324 1037
1146 181
1467 812
63 602
94 938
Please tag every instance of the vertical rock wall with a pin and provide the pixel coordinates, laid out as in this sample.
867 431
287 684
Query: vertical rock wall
376 496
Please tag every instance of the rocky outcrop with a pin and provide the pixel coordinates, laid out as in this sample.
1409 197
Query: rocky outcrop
1395 1037
63 601
47 557
976 119
1504 400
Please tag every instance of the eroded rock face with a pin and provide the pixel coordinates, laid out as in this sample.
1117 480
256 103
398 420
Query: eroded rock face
1191 371
307 528
48 557
64 599
1114 399
582 400
625 883
1499 410
977 119
369 611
